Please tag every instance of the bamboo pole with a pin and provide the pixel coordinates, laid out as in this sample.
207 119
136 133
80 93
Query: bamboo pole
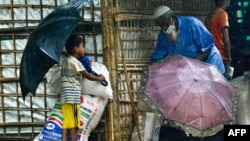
124 17
29 29
109 60
22 124
17 30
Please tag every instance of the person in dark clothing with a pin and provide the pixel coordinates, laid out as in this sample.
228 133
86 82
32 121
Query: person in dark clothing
172 134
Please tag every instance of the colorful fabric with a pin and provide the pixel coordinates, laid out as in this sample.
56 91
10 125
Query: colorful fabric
71 115
193 39
71 80
217 20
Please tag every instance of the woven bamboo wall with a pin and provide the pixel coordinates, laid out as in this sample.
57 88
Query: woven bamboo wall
130 36
123 39
21 120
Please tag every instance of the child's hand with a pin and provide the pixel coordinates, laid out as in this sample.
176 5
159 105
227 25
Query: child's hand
101 77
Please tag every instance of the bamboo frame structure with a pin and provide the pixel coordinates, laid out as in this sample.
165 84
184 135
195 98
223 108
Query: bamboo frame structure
128 38
124 16
109 58
16 30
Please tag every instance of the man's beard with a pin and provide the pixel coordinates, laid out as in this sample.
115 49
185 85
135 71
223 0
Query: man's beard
173 36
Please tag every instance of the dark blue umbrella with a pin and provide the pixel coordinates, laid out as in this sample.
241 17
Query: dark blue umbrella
46 43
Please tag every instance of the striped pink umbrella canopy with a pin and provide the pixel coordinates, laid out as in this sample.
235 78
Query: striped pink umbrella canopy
189 94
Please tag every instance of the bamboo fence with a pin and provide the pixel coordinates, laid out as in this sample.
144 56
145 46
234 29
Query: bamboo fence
128 38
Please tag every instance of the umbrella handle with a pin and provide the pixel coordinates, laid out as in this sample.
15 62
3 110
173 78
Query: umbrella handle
103 82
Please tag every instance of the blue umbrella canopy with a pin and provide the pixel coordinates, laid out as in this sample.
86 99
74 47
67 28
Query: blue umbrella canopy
46 43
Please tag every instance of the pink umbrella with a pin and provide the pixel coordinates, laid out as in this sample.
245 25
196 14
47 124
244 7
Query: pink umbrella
189 94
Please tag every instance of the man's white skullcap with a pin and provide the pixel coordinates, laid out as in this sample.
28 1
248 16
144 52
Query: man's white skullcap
159 11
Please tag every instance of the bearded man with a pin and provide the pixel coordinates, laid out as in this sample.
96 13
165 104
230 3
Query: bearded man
186 36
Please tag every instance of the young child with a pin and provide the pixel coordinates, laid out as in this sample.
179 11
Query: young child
71 82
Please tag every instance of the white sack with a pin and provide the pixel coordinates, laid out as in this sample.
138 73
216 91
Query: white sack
95 87
242 86
149 127
88 87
